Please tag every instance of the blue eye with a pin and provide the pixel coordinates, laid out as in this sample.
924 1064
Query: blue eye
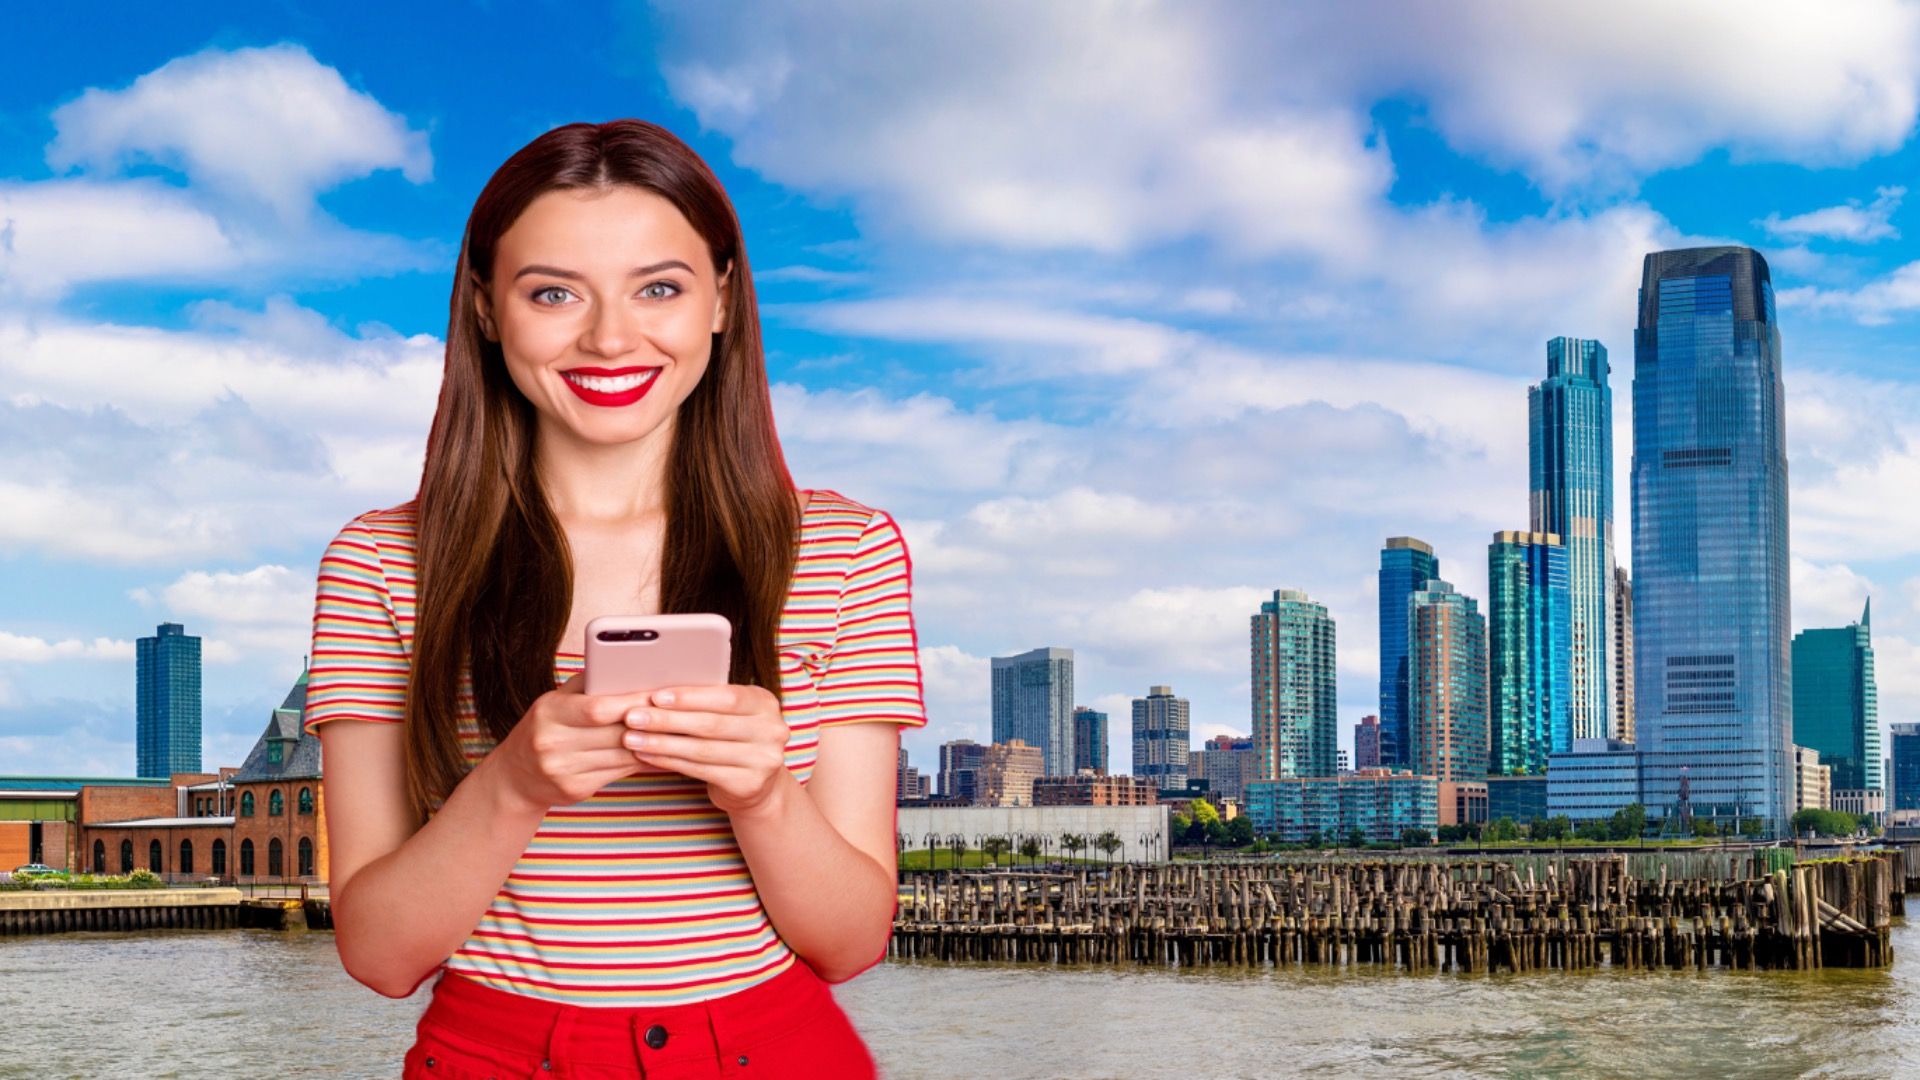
543 290
647 291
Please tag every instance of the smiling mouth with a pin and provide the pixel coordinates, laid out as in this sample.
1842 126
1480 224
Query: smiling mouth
610 387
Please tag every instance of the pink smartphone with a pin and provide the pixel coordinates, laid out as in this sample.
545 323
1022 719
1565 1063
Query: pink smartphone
628 654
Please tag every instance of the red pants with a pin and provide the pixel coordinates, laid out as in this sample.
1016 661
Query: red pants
788 1026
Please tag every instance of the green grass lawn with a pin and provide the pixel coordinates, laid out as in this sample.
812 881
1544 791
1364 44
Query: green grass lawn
912 859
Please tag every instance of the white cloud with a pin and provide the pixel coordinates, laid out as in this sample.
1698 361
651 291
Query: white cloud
1874 304
269 124
1851 222
1827 595
265 611
33 650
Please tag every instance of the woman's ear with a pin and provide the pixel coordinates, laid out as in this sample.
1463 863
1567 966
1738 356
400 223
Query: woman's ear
720 295
483 309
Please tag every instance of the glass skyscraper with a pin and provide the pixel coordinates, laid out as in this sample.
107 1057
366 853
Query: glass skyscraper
1836 705
1033 702
1406 564
1528 626
1089 740
167 702
1905 762
1447 684
1296 714
1710 606
1570 494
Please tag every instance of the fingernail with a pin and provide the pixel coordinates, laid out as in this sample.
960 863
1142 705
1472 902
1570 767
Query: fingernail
635 740
637 717
664 697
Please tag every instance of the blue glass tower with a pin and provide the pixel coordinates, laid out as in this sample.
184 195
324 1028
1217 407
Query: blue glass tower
1033 702
1406 565
1570 494
167 703
1528 625
1712 666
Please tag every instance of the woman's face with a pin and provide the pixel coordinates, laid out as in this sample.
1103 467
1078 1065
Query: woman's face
604 303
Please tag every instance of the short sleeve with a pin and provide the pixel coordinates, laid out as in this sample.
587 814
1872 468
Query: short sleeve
358 669
872 671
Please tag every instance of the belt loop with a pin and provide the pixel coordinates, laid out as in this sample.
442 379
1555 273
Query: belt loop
557 1038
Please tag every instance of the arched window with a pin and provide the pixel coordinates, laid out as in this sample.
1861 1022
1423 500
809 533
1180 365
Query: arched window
246 858
126 856
246 804
306 800
153 856
99 856
276 804
306 856
219 858
186 856
275 866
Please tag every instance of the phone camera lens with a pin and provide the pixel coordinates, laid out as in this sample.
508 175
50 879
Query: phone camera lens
649 635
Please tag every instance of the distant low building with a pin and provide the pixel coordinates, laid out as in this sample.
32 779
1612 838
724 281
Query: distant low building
1868 803
960 762
1462 802
1226 763
1517 798
1596 779
1088 788
1379 803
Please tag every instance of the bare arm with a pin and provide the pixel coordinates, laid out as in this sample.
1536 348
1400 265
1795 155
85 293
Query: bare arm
405 895
404 898
823 855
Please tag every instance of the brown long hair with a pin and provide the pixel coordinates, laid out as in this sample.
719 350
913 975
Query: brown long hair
495 578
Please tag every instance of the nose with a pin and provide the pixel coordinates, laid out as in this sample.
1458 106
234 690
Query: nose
612 330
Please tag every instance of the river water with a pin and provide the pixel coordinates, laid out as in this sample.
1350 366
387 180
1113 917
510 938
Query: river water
258 1003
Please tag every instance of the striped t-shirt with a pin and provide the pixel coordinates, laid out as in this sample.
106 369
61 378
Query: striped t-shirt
639 894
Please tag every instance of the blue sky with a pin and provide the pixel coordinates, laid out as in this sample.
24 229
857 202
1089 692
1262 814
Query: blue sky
1130 315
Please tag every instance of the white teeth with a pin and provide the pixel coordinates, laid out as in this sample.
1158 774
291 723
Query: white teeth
603 384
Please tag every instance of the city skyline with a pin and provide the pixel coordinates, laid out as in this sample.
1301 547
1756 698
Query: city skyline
1105 420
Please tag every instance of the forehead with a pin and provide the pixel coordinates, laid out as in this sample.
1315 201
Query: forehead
601 230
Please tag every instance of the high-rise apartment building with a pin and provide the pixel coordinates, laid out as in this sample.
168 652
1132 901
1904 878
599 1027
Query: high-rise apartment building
1712 673
1089 740
1447 684
1528 629
1296 720
1162 726
1406 565
1006 776
1366 743
1836 704
1033 702
1570 421
167 702
1622 655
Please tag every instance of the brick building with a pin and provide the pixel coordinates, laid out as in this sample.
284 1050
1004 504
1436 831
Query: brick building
1087 788
277 823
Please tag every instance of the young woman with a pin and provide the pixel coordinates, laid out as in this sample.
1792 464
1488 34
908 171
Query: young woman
622 885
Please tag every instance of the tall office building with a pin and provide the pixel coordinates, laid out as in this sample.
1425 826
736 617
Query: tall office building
1406 564
1366 743
167 702
1033 702
1528 627
1710 607
1570 425
1447 684
1622 655
1162 737
1903 772
1296 719
960 763
1089 740
1836 705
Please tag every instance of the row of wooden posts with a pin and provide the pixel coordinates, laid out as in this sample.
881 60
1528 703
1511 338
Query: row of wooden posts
1463 915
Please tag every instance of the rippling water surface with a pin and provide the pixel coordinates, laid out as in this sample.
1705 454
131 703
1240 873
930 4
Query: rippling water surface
260 1003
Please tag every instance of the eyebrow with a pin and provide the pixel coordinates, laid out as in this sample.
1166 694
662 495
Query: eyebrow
638 271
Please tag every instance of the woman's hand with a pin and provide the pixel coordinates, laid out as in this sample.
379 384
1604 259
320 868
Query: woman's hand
733 737
567 746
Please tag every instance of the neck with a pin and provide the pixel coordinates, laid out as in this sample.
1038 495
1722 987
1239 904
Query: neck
597 483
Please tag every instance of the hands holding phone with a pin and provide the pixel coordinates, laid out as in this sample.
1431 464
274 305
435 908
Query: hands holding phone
620 717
